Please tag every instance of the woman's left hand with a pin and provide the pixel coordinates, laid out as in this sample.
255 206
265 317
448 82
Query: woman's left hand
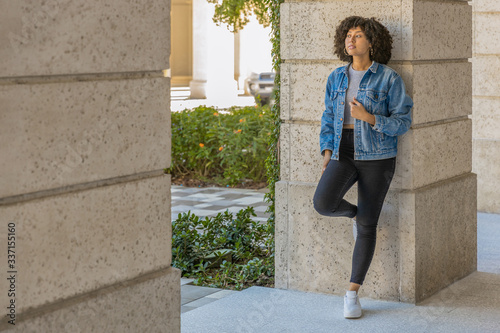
358 111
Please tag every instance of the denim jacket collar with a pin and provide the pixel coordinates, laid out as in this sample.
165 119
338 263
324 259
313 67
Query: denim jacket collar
373 67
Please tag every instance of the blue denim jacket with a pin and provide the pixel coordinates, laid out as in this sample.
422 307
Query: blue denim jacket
383 94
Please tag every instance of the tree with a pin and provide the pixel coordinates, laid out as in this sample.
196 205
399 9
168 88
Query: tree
235 13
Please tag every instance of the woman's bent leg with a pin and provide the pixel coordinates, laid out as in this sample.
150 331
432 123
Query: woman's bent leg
373 183
336 180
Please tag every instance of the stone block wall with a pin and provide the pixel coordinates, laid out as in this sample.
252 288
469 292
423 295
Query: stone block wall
433 190
85 122
486 104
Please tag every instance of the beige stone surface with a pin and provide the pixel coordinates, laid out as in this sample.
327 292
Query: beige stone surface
485 77
304 86
425 155
487 166
281 236
437 153
441 91
284 151
303 89
313 24
68 133
487 33
315 255
486 5
445 234
150 303
486 119
407 246
69 37
75 243
300 156
442 30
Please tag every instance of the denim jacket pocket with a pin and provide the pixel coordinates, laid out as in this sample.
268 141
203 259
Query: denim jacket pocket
376 102
386 142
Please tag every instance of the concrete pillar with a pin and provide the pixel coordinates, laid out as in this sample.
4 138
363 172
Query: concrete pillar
486 104
85 126
201 22
427 230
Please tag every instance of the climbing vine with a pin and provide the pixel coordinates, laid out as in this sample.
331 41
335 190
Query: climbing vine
272 161
235 13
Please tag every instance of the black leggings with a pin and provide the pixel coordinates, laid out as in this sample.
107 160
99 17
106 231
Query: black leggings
374 178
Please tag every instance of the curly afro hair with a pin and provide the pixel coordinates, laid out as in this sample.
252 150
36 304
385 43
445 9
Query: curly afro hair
375 32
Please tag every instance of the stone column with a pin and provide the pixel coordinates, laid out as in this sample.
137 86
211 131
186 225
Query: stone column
201 22
85 132
220 56
486 104
427 230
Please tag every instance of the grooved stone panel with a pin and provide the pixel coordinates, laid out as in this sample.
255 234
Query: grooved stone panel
115 309
445 234
425 155
77 36
303 87
300 156
487 33
436 153
487 166
78 242
486 119
314 252
442 30
485 80
308 28
441 91
60 134
486 6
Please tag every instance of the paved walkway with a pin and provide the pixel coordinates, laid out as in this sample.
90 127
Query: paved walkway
209 201
470 305
180 100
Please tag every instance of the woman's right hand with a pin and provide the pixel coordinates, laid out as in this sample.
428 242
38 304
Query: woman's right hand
326 159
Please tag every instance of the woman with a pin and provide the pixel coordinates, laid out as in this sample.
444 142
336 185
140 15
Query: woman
366 109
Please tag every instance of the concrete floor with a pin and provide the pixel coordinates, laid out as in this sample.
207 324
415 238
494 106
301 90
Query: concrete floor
470 305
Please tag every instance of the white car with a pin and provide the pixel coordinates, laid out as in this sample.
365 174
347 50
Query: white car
261 86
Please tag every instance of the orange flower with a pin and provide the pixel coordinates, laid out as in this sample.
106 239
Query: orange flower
202 145
220 148
239 131
242 120
216 114
260 115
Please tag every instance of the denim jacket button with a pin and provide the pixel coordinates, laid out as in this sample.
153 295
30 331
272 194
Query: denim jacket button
342 103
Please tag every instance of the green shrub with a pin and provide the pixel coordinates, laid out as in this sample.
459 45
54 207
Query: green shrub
241 246
225 147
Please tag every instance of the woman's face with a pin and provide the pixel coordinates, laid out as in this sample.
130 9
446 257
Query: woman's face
356 43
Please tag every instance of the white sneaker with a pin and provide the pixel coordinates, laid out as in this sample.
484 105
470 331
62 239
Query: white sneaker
352 307
354 229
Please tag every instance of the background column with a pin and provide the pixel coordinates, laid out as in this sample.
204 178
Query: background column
201 22
427 230
85 132
486 104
